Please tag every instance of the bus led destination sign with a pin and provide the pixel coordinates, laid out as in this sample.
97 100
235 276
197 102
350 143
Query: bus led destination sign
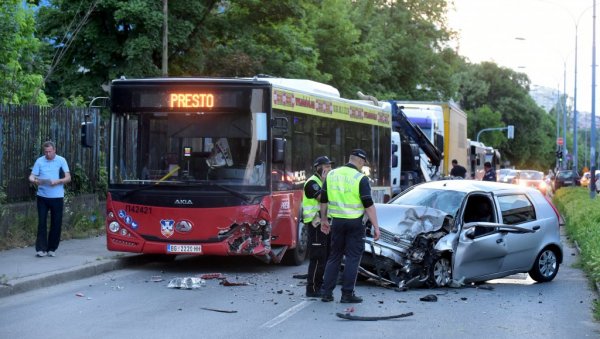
191 100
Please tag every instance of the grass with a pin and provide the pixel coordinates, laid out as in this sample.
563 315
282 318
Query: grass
582 216
76 225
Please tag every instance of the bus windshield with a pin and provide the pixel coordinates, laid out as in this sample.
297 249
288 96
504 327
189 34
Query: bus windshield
150 148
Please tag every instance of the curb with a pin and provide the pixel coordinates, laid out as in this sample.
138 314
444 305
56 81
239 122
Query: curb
26 284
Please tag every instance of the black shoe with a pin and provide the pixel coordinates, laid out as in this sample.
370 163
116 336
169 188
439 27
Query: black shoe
326 298
350 299
313 294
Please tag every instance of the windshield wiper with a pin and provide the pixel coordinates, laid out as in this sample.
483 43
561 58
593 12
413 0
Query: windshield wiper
167 176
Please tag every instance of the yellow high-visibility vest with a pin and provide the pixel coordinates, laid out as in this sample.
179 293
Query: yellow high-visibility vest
310 206
343 193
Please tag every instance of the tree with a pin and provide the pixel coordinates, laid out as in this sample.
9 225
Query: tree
504 91
20 78
409 59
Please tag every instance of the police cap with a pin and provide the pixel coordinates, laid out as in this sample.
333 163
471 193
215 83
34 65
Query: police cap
322 161
360 153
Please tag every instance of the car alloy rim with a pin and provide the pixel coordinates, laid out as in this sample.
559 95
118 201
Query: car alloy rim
441 272
547 263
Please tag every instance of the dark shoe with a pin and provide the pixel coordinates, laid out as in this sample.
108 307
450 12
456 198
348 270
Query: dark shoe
326 298
350 299
313 294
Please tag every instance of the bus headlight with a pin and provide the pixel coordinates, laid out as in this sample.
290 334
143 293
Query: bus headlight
114 227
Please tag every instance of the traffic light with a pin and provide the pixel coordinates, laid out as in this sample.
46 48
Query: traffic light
559 154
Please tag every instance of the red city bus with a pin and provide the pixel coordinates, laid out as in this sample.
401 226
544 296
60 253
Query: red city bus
209 166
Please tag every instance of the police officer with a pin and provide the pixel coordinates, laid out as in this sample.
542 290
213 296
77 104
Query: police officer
490 174
318 241
346 197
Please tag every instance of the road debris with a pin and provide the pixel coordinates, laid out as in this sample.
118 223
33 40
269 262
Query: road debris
226 282
429 298
218 310
300 276
156 278
208 276
79 294
187 283
349 316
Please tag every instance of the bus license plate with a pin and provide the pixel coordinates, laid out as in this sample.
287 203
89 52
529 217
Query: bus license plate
184 248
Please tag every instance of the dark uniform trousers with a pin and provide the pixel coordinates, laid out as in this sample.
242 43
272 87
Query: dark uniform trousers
318 252
347 239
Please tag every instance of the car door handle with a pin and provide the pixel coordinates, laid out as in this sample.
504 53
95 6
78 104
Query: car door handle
499 241
536 227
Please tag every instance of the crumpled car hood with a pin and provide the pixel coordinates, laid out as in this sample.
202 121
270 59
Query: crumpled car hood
409 221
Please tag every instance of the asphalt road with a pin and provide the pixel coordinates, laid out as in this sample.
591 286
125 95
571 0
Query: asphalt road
136 303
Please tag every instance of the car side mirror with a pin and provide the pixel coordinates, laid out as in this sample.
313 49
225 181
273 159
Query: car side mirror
470 233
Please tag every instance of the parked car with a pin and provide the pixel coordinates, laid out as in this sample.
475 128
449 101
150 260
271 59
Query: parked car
565 178
461 231
531 178
507 175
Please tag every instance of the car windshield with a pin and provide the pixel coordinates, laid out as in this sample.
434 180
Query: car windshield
565 175
445 200
531 175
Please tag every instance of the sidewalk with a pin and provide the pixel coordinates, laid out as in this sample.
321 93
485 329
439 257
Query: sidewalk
22 271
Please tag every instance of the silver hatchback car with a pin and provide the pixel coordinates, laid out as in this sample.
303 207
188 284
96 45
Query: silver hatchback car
460 231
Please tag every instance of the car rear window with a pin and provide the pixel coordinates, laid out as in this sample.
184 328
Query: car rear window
516 209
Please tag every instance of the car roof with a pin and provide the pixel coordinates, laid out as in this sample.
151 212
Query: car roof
468 186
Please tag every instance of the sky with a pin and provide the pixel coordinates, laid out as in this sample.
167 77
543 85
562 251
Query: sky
536 37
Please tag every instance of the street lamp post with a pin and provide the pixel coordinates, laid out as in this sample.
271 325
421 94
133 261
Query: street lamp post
593 128
564 146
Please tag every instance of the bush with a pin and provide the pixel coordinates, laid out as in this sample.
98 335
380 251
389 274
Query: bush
582 217
82 217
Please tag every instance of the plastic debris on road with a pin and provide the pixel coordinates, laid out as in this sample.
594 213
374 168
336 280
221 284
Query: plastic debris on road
187 283
226 282
208 276
429 298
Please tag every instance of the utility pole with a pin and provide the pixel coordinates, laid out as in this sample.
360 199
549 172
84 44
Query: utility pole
593 129
165 39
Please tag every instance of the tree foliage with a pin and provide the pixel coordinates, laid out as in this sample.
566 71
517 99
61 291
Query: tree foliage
489 92
389 49
20 78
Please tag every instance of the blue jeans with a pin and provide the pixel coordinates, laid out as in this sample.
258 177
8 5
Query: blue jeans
49 242
347 239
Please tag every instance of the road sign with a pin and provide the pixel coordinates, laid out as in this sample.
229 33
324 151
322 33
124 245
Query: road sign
559 141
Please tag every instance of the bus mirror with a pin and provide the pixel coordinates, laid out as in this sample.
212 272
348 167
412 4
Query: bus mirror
280 123
278 150
88 131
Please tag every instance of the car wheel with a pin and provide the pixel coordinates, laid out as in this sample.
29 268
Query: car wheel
440 273
297 255
545 266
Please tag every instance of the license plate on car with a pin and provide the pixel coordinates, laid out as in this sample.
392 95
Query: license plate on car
171 248
568 182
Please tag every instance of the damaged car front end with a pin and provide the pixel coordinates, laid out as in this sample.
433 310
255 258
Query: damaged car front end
461 231
409 252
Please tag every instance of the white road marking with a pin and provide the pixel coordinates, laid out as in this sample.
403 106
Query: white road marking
283 316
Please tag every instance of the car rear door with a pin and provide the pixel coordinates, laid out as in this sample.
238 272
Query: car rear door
522 233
